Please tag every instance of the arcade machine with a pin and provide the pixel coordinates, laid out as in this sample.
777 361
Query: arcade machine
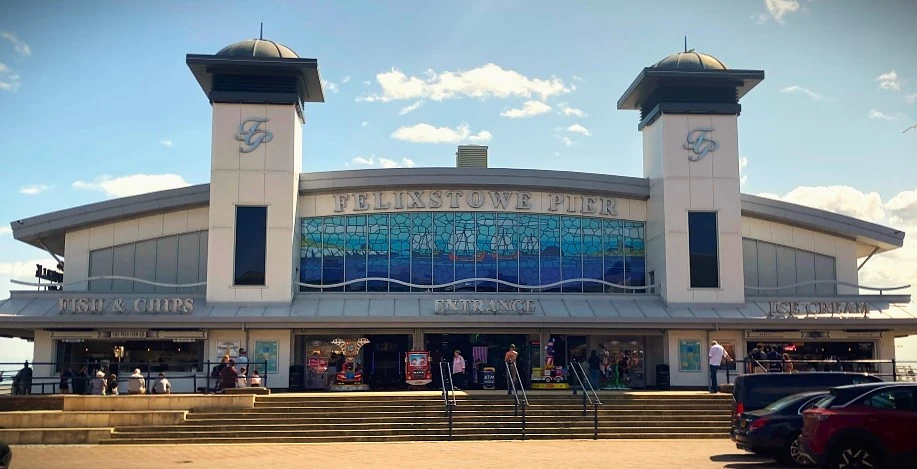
550 376
350 377
317 374
417 373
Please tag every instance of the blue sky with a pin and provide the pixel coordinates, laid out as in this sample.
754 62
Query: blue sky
96 92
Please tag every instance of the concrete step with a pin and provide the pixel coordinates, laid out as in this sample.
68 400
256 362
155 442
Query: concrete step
440 437
475 406
456 417
416 425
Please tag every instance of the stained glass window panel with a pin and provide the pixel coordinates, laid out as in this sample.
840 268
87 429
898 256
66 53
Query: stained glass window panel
443 260
310 258
506 250
421 249
550 251
593 259
464 249
378 253
529 250
486 244
571 252
333 246
400 251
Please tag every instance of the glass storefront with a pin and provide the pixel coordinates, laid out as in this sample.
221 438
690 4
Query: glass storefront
377 360
437 251
823 355
148 355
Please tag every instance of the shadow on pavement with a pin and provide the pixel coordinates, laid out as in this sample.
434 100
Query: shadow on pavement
746 461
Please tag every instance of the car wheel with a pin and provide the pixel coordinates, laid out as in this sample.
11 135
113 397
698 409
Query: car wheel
791 455
853 455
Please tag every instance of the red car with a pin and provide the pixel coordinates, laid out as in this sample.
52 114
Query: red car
863 426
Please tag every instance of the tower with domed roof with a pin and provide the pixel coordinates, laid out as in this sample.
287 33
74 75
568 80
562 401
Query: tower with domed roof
257 89
689 108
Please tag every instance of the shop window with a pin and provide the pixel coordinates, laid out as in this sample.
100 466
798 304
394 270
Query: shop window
150 356
251 246
703 250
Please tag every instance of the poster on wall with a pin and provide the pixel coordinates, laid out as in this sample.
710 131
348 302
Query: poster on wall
228 347
265 350
689 355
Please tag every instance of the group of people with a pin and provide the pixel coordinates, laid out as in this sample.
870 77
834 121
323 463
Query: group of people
767 358
108 385
228 376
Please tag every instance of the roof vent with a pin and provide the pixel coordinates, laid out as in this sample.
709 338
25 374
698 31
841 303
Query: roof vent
471 156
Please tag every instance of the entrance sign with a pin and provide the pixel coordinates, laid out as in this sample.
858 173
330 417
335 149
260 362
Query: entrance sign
499 201
793 309
700 143
251 134
125 306
128 334
446 307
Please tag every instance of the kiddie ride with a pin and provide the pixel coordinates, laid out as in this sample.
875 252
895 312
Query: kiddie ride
550 376
349 378
417 372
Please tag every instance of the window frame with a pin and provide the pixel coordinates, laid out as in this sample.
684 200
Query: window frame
716 233
235 246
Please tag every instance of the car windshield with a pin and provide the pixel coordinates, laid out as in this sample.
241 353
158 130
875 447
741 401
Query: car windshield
777 406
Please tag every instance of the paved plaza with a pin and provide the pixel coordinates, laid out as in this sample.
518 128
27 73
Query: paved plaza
620 454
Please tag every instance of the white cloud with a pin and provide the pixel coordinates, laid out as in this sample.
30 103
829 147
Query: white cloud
33 189
364 124
133 184
800 90
410 108
9 81
383 162
576 128
487 81
165 143
911 98
426 133
21 47
743 173
873 114
529 109
330 86
889 81
565 139
894 268
577 78
571 111
777 9
5 230
346 79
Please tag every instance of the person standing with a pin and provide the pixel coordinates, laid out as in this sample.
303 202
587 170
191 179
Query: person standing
594 364
65 377
97 385
774 360
512 372
787 363
716 355
458 370
23 379
80 381
135 383
242 362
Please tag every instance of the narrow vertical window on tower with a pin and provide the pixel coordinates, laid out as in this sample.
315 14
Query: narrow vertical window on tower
703 250
251 246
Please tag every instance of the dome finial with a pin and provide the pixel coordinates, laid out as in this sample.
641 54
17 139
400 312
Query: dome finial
686 43
261 34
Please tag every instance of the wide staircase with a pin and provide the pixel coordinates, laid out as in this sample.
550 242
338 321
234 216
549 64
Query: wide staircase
422 416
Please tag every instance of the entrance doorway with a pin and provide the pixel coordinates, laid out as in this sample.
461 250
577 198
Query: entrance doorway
383 360
479 351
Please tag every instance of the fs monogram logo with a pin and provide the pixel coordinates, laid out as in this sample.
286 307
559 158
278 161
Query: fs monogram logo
700 143
251 134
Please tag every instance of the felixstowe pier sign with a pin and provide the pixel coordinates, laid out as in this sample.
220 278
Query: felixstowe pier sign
474 200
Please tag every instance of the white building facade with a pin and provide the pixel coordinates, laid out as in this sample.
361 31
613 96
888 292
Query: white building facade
281 262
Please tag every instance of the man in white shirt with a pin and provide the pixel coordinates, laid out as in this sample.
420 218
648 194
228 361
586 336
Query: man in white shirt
717 355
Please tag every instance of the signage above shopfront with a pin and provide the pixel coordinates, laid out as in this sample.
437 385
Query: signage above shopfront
700 142
462 307
125 306
499 201
817 309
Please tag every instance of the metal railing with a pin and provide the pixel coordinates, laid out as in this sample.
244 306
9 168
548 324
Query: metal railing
892 370
512 377
593 398
202 381
445 371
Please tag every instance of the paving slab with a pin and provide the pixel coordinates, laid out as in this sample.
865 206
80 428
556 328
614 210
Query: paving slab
620 454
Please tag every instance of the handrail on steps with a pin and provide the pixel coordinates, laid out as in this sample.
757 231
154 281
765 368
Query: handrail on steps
512 377
445 371
593 398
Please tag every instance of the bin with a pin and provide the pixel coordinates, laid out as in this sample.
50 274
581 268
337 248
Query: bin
663 377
